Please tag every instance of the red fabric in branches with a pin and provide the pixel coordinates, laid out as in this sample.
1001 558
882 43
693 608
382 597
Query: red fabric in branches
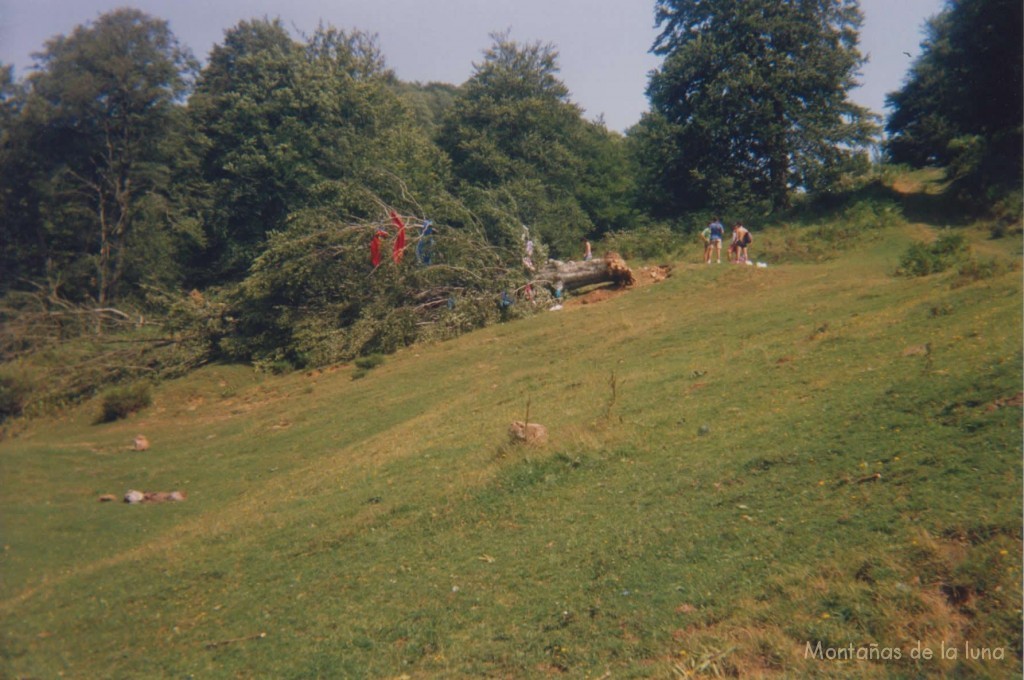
375 246
399 246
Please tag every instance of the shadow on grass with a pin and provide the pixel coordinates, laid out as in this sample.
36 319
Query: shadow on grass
944 209
947 206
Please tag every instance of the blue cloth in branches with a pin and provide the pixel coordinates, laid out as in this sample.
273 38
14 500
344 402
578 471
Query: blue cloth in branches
425 244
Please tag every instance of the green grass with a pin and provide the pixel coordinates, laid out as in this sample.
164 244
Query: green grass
384 527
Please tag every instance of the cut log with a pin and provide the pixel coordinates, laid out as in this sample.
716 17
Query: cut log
577 274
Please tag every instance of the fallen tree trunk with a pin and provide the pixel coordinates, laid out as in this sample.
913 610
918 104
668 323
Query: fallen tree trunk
577 274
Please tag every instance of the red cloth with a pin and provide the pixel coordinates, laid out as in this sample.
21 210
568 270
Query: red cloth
399 247
375 246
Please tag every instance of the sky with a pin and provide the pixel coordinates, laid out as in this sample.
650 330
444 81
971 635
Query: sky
603 45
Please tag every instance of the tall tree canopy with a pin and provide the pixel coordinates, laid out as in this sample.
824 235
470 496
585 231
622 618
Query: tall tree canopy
98 121
282 126
516 139
21 254
962 102
753 98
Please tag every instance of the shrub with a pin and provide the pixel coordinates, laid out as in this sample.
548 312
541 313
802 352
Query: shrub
121 402
922 259
967 155
366 364
646 243
1007 213
200 321
279 366
14 393
855 222
972 270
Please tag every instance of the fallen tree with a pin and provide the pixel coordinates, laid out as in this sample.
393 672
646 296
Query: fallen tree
578 274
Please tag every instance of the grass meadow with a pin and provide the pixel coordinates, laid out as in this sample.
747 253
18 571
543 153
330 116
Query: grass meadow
806 470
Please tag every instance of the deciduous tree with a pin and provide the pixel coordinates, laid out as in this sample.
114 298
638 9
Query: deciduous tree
518 142
756 96
100 113
962 103
22 251
283 125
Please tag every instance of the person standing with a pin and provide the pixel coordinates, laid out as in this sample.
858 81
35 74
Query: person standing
706 237
717 232
588 254
743 239
528 257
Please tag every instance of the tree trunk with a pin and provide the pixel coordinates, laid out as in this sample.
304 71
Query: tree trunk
577 274
778 160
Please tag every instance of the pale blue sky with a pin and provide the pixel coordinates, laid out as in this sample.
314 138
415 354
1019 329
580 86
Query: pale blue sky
603 44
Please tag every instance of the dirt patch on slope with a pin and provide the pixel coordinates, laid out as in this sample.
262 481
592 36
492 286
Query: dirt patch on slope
644 276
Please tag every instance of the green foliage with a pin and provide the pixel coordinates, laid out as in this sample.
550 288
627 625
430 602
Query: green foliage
121 402
607 186
818 232
856 220
921 259
966 155
663 186
260 189
1008 213
200 322
428 104
284 126
366 364
22 255
14 394
513 133
973 269
71 351
963 100
100 123
279 367
369 362
646 243
313 297
754 96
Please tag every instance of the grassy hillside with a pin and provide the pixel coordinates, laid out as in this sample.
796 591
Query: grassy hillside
743 463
